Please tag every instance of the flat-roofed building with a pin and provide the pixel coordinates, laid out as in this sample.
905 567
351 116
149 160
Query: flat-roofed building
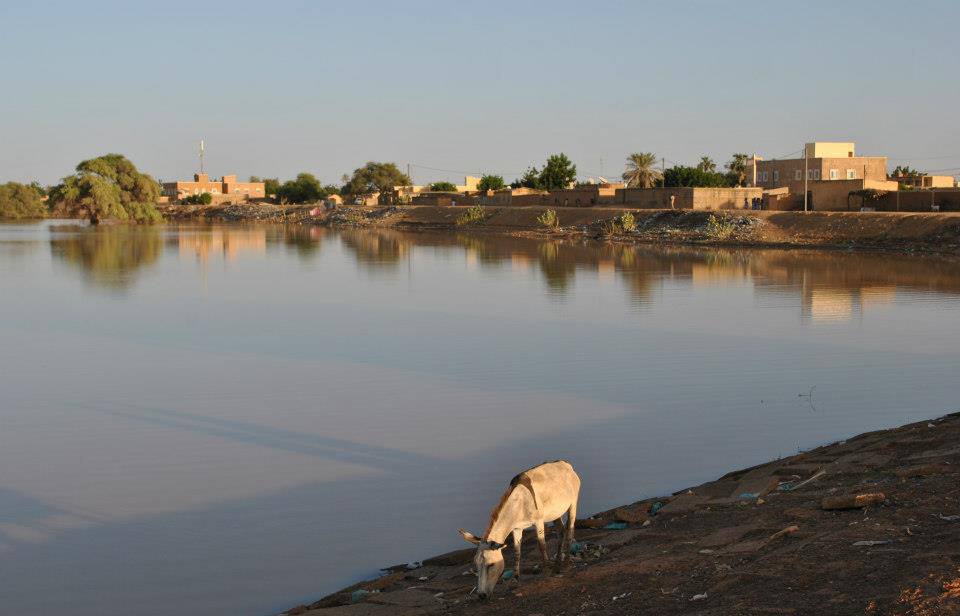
825 161
223 190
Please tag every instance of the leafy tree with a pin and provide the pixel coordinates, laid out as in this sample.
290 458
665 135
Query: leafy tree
254 178
558 173
108 186
374 177
693 176
737 168
306 188
706 164
529 179
271 186
490 182
641 171
21 201
443 187
906 172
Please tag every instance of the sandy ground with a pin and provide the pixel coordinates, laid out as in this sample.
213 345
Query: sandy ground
764 540
925 232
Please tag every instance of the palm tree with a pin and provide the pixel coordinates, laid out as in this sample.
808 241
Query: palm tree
706 164
640 171
738 168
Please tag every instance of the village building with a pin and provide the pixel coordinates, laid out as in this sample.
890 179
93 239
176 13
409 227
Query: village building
924 181
225 190
823 161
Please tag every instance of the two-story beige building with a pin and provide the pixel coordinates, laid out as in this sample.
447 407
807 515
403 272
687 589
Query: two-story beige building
824 161
223 190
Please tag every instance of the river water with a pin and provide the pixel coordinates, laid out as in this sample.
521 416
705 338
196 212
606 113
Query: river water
234 419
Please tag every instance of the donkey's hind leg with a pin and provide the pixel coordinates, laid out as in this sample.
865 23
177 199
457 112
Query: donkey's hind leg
561 533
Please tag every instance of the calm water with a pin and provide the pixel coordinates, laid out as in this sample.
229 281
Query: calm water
231 420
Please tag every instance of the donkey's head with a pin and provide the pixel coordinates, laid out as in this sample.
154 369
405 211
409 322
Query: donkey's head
489 563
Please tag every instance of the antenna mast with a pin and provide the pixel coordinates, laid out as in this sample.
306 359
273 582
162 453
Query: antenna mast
201 156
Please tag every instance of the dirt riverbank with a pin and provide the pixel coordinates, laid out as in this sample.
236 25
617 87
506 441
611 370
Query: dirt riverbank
869 525
908 232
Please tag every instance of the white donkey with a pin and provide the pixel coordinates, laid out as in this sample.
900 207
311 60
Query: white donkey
536 496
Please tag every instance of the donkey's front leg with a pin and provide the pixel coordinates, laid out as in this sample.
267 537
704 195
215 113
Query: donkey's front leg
542 543
517 540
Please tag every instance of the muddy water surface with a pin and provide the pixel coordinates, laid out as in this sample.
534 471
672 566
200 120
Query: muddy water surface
231 420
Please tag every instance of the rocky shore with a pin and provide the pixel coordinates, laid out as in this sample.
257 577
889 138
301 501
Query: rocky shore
868 525
905 232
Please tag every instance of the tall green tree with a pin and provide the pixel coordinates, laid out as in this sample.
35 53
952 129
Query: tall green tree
18 201
706 164
108 186
306 188
443 187
558 173
641 170
737 169
490 182
529 179
254 178
374 177
271 186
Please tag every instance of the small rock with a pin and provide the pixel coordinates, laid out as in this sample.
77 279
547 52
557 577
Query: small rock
866 544
699 597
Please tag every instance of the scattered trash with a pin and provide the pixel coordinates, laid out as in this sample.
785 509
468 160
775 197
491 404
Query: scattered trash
647 523
507 574
655 508
705 551
948 518
699 597
750 495
575 547
615 526
423 578
416 564
816 475
358 595
623 596
857 501
866 544
782 533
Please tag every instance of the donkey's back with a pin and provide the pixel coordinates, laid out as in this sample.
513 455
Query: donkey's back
555 487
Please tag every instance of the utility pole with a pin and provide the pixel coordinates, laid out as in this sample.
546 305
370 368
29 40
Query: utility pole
201 157
663 171
806 176
408 173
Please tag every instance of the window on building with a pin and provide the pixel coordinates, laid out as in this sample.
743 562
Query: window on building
816 174
851 174
798 175
834 174
776 176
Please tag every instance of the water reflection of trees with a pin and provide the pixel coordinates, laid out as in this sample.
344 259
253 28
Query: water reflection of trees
829 284
376 249
109 257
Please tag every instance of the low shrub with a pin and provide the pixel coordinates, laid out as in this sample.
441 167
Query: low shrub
549 219
474 215
720 229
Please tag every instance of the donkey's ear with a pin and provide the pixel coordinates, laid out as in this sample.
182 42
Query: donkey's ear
496 546
470 537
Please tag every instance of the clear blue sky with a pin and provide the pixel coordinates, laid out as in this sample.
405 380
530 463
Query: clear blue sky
281 87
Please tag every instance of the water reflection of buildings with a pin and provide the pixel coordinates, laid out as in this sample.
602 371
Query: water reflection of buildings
225 241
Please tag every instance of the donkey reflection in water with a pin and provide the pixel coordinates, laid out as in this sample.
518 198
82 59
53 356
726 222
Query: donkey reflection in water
536 496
